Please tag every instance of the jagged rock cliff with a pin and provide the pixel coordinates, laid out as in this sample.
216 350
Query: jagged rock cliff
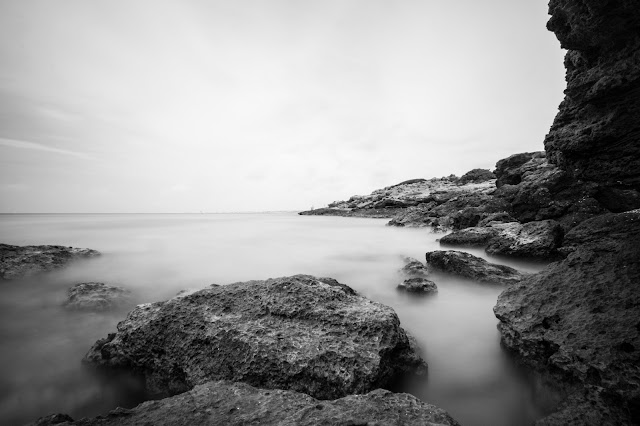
596 135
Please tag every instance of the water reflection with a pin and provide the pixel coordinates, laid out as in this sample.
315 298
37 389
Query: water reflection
156 256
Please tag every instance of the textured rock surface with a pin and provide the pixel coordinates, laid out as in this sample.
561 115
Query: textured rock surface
23 261
539 240
418 285
579 319
225 403
596 134
93 296
469 266
312 335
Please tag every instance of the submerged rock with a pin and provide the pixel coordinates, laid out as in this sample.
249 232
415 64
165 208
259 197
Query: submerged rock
301 333
413 268
225 403
579 319
24 261
418 285
471 267
93 296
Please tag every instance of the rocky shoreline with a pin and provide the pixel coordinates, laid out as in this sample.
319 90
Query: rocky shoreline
307 350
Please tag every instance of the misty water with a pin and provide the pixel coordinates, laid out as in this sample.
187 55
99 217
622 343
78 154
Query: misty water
156 256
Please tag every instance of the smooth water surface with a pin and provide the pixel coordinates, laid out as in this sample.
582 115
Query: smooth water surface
156 256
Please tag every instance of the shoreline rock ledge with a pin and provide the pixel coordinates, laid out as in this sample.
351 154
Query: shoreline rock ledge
23 261
299 333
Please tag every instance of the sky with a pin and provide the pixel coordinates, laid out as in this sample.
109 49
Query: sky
119 106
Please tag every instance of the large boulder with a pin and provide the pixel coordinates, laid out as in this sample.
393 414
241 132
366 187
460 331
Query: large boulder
94 296
579 319
226 403
468 266
596 133
24 261
307 334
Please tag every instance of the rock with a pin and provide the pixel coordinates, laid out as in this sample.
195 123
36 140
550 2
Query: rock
311 335
418 285
546 192
470 237
595 134
413 268
493 218
95 296
579 319
471 267
24 261
476 176
539 240
510 170
226 403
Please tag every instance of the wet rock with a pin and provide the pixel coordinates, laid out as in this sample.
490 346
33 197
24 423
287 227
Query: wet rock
418 285
579 319
471 267
413 268
301 333
539 240
94 296
24 261
226 403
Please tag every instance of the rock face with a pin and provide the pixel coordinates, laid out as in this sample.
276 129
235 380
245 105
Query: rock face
418 285
311 335
93 296
596 135
24 261
225 403
471 267
579 319
536 240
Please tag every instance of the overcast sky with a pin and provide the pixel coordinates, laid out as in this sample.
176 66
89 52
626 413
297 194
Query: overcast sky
254 105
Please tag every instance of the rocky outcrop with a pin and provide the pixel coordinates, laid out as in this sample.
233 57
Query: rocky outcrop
93 296
534 189
536 240
301 333
595 136
24 261
579 319
468 266
225 403
418 285
439 203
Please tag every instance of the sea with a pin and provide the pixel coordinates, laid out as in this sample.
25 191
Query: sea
156 256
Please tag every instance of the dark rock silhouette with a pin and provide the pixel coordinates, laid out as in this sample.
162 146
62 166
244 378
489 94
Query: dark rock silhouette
311 335
226 403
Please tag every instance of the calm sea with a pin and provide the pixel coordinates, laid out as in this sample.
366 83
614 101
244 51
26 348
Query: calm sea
157 255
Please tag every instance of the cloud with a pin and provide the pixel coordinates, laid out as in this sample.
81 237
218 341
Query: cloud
14 143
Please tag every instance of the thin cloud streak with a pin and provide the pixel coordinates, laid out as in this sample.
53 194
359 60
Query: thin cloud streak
14 143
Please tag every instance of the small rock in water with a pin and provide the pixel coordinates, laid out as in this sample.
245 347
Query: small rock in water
413 268
23 261
93 296
474 268
418 285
